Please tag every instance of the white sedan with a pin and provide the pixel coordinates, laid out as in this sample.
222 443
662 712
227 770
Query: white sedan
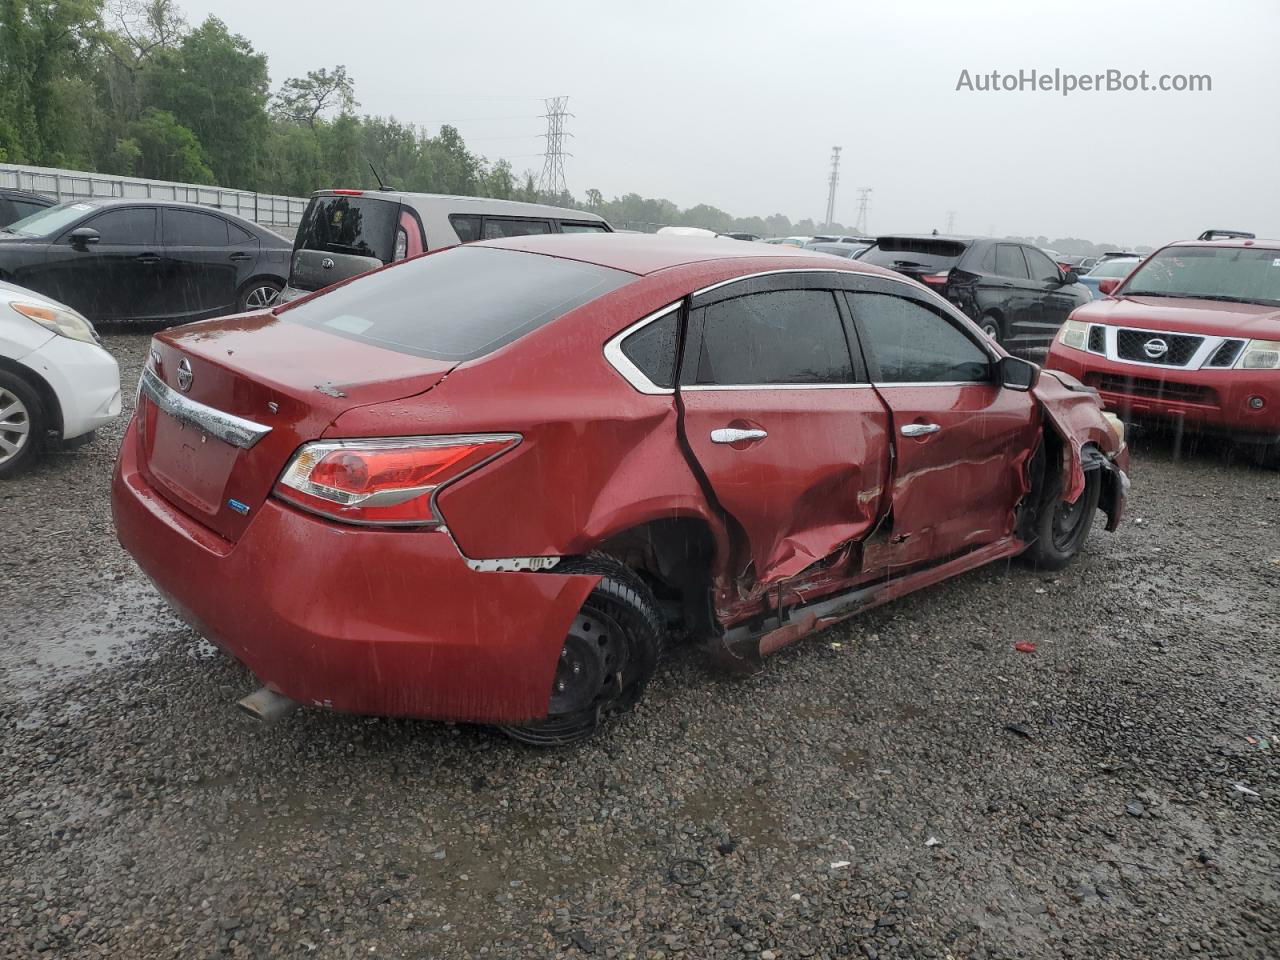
56 382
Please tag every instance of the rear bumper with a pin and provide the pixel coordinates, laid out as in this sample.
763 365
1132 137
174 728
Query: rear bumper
360 620
1208 401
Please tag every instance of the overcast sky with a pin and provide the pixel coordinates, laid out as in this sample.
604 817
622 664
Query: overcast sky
737 104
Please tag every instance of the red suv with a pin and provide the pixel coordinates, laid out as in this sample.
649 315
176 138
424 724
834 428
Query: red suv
1191 336
485 483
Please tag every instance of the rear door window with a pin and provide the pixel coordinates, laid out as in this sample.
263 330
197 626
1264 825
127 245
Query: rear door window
466 227
913 343
773 337
1009 262
495 228
186 228
134 226
358 226
568 227
458 304
652 349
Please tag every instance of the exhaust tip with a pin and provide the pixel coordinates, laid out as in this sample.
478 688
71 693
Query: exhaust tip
267 706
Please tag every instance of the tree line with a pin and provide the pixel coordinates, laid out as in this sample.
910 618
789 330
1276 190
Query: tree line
127 87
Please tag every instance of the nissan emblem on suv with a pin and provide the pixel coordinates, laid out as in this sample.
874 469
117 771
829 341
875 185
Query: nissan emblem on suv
1155 348
184 375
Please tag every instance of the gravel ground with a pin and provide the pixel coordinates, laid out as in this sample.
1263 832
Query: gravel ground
906 785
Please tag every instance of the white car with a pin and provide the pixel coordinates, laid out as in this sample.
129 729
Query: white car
56 382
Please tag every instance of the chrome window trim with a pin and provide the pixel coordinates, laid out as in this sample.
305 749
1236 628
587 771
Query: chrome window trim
622 363
1209 344
936 383
227 427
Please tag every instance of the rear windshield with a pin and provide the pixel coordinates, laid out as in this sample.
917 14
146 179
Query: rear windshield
1113 268
914 253
359 226
1232 274
458 304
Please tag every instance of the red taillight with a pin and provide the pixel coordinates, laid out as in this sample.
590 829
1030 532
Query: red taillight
402 244
390 482
936 279
347 193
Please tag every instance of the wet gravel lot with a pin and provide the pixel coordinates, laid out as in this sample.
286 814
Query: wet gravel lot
906 785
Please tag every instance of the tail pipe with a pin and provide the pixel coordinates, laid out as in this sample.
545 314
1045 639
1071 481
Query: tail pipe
267 705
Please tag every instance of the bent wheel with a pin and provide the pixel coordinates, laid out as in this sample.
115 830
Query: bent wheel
608 656
1062 527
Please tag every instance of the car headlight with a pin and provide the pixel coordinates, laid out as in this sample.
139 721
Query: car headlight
1261 355
63 321
1074 334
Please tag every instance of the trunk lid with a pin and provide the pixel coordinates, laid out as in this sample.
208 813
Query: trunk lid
343 235
289 378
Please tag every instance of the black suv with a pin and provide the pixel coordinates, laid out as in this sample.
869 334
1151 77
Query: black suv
1012 290
16 204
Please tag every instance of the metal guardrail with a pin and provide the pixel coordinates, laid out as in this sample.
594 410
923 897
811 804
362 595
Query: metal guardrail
270 210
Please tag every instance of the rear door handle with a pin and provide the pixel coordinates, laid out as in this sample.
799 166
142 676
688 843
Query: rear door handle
241 256
147 258
920 429
735 435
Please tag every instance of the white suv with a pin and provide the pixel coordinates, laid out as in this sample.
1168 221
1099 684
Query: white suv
348 232
56 382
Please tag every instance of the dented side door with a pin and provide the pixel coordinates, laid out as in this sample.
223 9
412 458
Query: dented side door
779 416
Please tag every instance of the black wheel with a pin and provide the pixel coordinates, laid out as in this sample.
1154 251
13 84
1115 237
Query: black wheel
608 656
992 326
258 295
1062 527
1267 455
22 424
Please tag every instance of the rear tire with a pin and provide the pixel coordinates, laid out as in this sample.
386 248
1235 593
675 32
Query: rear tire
258 295
1062 528
607 659
22 424
993 327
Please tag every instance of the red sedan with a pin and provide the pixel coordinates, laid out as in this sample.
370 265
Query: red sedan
1191 337
485 483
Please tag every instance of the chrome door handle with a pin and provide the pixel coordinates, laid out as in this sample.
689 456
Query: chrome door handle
734 435
920 429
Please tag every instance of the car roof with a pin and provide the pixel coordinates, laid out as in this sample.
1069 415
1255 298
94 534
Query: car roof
15 193
514 208
645 253
1229 242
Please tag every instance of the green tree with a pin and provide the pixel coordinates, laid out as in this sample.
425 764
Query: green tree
306 99
46 48
595 200
215 84
164 149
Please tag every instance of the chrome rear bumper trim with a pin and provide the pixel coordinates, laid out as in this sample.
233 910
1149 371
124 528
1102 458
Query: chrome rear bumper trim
225 426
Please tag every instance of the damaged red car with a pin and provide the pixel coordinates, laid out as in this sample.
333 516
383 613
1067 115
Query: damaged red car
485 484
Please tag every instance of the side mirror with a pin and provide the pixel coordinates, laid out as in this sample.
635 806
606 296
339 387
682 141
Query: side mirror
82 237
1108 286
1070 276
1016 373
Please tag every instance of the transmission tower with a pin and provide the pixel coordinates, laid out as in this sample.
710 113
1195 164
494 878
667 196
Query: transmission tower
552 182
864 206
831 189
951 221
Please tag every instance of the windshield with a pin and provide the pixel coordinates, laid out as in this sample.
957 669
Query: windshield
1239 274
51 220
457 304
1112 268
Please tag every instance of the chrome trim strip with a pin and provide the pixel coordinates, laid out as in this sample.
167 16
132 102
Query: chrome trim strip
225 426
511 564
935 383
629 371
774 273
711 387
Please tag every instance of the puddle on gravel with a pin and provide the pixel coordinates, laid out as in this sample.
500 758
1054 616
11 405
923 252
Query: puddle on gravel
86 627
